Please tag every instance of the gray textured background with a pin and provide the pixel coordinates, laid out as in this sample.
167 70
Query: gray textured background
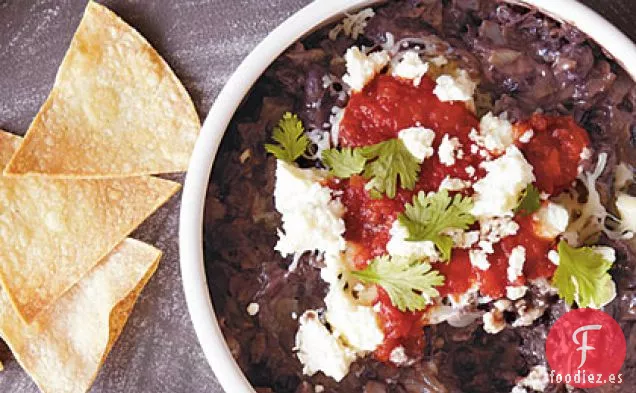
204 41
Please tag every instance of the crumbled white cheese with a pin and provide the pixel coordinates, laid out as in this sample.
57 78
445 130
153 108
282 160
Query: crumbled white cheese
553 256
516 261
495 229
447 150
319 389
516 292
526 136
455 88
497 193
362 68
253 309
493 321
470 170
454 184
312 218
354 324
461 238
479 259
411 67
398 356
551 220
495 133
538 380
319 350
486 246
418 141
352 25
400 247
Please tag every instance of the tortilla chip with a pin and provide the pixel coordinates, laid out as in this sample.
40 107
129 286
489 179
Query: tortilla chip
115 110
9 143
53 232
63 349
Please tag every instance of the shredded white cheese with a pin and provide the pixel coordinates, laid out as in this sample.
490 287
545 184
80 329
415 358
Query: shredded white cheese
335 118
590 216
352 25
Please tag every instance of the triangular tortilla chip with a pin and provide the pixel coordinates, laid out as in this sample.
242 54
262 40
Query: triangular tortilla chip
53 232
116 109
63 349
9 143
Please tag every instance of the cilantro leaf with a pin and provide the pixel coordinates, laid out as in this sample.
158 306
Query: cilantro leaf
582 276
429 216
410 284
344 163
530 201
391 160
292 141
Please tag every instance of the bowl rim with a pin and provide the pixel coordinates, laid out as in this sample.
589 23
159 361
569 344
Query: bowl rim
318 12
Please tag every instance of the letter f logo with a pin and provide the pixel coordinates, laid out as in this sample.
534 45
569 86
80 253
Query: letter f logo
583 346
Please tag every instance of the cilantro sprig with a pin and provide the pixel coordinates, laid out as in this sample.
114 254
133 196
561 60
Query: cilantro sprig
383 164
409 283
582 276
344 163
391 161
430 215
530 201
291 138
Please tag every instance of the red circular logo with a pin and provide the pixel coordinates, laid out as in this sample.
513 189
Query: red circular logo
586 348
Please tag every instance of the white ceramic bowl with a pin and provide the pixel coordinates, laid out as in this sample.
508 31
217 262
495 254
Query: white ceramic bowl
306 20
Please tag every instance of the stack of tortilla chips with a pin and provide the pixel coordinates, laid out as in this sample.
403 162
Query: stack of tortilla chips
73 190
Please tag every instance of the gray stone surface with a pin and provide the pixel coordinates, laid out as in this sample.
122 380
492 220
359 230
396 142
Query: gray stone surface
204 41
